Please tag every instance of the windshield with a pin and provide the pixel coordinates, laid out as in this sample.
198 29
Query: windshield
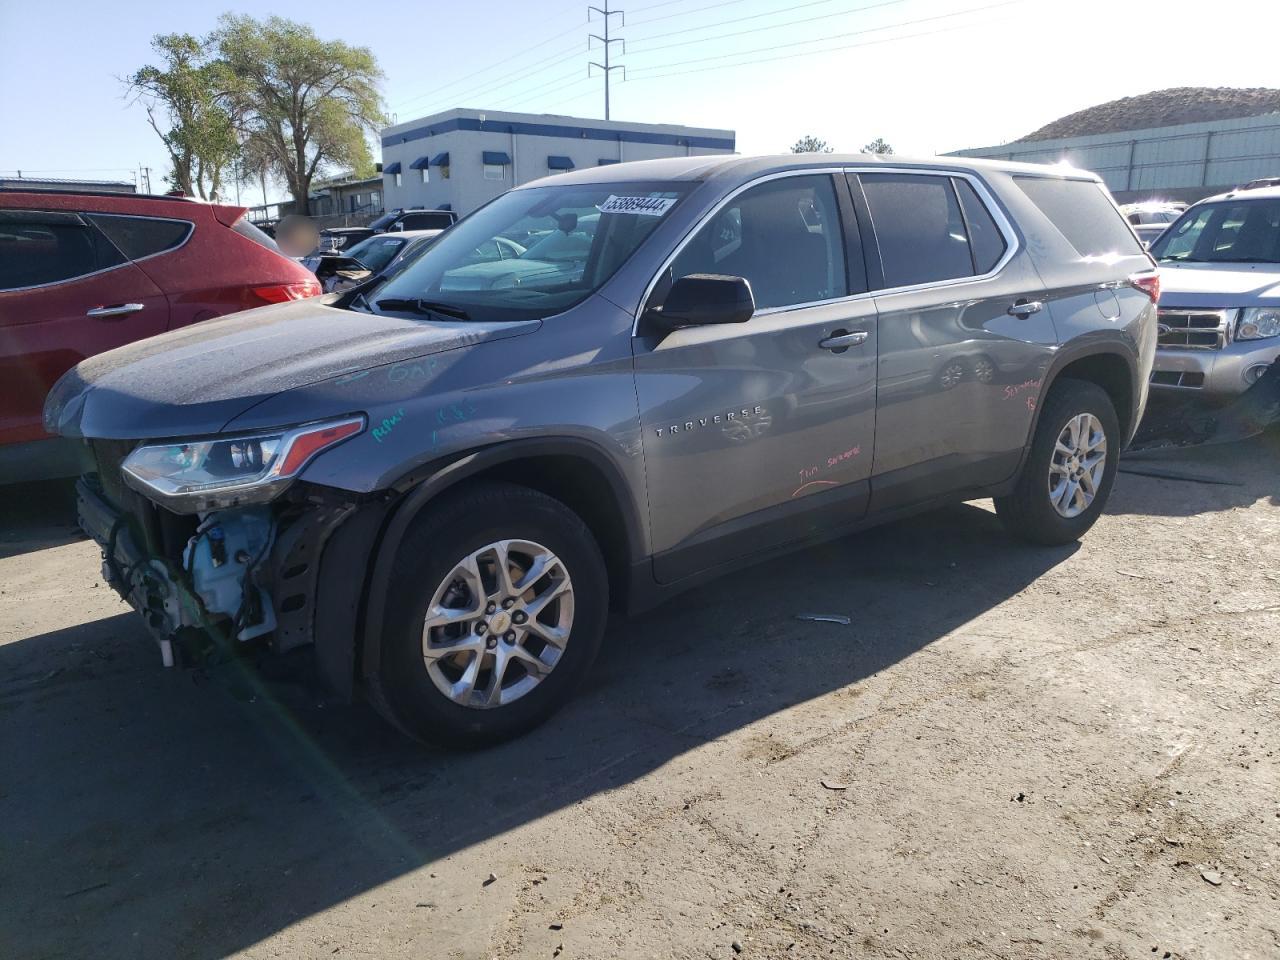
1230 231
376 252
534 252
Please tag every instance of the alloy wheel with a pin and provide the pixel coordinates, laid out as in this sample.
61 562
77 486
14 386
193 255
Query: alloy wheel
498 623
1077 465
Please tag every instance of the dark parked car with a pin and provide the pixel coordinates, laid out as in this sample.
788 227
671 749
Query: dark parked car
444 486
414 218
383 251
335 239
83 273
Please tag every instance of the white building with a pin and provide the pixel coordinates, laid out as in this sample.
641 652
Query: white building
459 159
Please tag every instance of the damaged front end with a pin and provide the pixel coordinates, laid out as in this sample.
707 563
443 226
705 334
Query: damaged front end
210 540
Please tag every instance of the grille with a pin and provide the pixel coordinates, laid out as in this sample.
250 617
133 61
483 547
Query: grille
1197 329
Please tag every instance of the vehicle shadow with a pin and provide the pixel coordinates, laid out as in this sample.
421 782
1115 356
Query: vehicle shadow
166 813
34 516
1210 478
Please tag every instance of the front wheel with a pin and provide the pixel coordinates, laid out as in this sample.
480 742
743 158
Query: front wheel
496 609
1070 470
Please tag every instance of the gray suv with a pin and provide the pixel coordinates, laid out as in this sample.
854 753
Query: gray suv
444 479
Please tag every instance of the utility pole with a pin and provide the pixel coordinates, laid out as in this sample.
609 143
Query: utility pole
607 42
146 178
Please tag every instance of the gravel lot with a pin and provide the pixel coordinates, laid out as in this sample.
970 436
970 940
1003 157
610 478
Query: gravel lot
1011 752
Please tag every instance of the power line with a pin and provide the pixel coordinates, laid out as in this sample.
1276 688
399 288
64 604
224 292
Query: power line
770 26
493 66
838 36
682 13
555 84
508 81
807 53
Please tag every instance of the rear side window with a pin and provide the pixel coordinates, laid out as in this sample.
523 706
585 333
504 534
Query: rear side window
38 248
250 232
138 237
1083 215
986 242
919 227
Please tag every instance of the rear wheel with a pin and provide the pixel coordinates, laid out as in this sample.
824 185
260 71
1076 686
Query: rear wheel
497 608
1065 483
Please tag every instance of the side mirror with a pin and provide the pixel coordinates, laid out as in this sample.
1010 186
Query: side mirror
703 298
398 227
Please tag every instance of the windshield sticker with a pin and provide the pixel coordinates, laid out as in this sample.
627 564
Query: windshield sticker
641 206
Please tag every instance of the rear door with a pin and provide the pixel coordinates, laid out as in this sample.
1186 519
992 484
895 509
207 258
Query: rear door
960 359
66 293
757 434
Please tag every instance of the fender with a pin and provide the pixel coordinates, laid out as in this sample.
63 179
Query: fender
1090 346
421 488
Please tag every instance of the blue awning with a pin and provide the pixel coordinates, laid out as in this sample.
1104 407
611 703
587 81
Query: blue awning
559 163
392 167
440 160
605 161
420 164
496 156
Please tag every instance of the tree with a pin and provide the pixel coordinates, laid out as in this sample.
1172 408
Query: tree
302 104
879 146
182 100
810 144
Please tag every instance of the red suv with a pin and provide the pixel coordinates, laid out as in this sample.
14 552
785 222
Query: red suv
83 273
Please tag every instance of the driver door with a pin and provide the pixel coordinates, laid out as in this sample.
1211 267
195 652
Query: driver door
760 434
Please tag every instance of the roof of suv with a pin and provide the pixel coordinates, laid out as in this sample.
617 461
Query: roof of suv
706 166
1246 193
145 204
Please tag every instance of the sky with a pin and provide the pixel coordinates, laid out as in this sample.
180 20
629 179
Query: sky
929 76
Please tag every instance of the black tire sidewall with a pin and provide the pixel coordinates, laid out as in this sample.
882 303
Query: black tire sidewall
440 538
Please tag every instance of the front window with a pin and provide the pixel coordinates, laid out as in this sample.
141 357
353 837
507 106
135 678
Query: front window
1245 231
533 252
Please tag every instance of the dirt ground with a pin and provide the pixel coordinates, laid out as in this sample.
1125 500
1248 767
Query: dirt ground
1010 752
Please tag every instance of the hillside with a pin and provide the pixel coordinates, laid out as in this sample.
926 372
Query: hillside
1162 108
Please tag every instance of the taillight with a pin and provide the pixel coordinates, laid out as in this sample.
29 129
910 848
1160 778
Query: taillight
284 292
1148 283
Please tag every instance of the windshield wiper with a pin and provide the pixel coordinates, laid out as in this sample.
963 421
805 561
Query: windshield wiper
419 305
1244 260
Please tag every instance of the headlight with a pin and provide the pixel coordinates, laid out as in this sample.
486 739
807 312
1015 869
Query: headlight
1258 323
195 475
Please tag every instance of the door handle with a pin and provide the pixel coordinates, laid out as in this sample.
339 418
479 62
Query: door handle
841 341
1025 308
119 310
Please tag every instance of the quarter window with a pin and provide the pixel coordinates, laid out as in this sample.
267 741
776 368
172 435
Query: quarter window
41 248
1083 214
494 171
783 236
138 237
919 227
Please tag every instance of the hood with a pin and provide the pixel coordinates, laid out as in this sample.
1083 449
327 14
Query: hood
195 380
1219 285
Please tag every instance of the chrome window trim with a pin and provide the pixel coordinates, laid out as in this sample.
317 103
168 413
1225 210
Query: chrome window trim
83 214
985 196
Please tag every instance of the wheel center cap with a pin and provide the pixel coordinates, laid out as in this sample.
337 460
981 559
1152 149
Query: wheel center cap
500 622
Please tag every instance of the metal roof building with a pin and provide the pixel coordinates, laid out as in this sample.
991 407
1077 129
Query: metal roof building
461 158
1183 162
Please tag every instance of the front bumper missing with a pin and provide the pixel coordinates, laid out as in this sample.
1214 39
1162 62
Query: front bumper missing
141 579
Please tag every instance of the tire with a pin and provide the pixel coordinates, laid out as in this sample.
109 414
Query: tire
1029 512
492 520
